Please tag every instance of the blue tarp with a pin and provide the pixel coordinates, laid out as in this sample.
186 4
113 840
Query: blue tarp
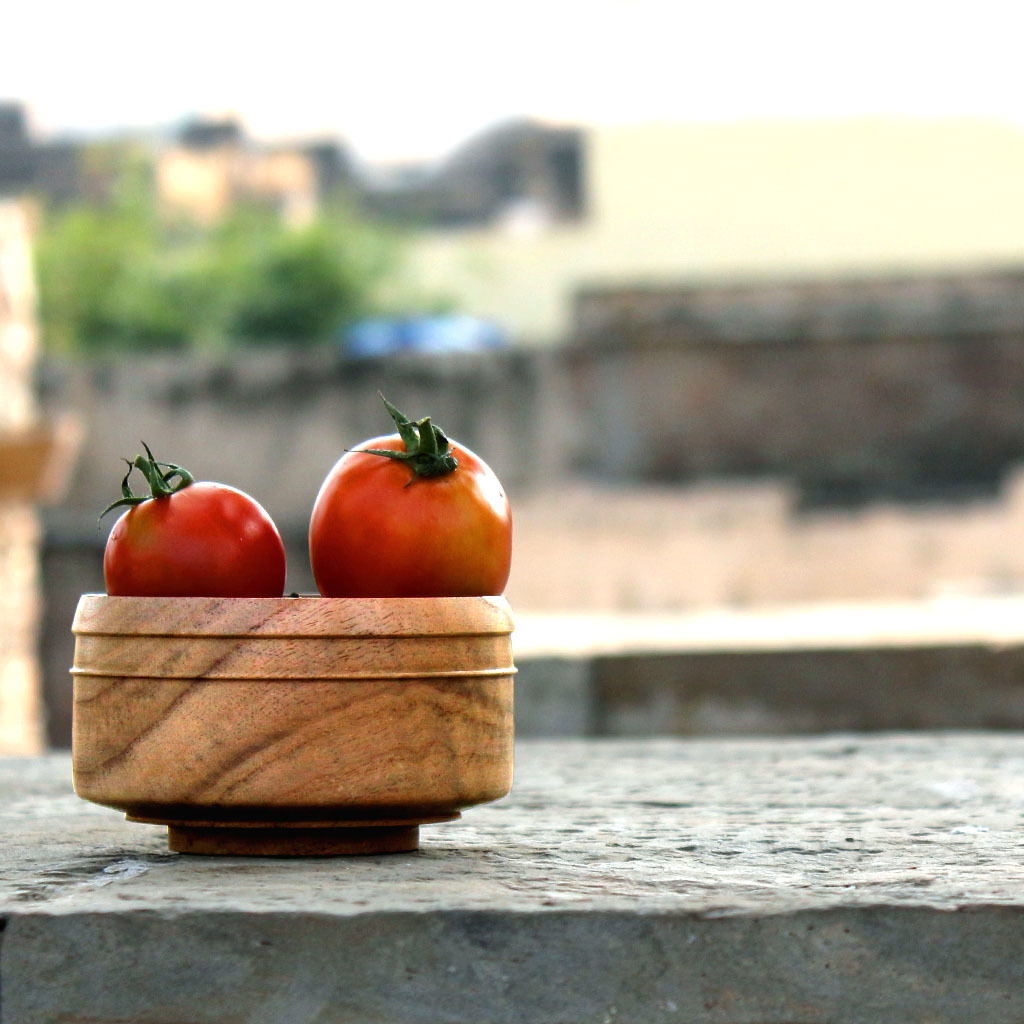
383 336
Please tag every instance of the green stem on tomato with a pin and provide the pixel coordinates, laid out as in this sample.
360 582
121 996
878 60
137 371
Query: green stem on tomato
427 449
164 479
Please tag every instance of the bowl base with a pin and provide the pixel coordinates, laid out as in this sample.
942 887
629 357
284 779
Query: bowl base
292 842
286 837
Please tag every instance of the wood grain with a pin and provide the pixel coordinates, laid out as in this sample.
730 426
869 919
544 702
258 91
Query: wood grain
295 658
292 616
267 712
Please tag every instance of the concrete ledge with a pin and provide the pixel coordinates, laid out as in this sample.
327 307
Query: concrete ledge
942 664
841 879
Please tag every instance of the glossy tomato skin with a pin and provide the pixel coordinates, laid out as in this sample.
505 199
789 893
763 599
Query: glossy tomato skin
206 540
373 533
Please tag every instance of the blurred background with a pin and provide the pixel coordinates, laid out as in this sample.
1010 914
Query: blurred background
731 299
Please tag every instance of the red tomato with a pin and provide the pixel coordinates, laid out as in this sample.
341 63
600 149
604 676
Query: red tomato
197 540
381 529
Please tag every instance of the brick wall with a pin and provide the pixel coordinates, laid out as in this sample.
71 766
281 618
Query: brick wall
849 389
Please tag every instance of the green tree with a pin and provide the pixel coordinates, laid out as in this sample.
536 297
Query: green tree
115 275
299 285
102 282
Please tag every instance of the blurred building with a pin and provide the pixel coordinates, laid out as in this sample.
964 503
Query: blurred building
213 166
202 171
518 219
21 725
694 204
60 171
16 161
522 172
20 708
34 452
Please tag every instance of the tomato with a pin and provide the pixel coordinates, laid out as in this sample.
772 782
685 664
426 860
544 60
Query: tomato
191 539
410 515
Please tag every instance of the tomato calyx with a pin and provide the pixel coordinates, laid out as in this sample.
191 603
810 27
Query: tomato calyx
164 479
427 448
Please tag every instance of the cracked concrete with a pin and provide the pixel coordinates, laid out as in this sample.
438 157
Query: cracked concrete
842 879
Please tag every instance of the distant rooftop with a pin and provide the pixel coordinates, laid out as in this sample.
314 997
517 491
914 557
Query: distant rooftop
16 163
202 133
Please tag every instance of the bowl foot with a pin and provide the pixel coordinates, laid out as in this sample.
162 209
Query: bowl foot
293 842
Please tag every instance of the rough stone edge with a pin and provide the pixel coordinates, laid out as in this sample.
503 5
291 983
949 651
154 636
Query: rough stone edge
3 928
768 967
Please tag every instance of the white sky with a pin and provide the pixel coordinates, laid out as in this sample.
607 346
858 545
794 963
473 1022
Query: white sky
411 78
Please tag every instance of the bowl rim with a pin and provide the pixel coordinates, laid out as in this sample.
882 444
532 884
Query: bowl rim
292 617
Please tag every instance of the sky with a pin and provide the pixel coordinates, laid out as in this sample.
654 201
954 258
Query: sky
407 79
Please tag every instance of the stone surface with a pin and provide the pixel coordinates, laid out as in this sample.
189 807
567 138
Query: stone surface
840 879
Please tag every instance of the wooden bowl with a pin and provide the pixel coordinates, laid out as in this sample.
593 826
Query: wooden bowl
289 726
